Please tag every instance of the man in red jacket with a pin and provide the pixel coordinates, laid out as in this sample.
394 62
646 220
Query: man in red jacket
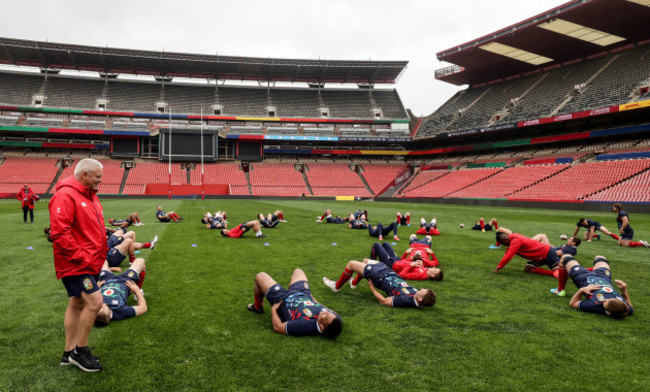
28 198
79 245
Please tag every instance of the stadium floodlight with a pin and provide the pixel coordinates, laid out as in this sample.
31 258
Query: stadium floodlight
581 32
641 2
516 53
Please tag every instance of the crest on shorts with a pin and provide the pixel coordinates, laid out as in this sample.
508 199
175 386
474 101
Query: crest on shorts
306 285
131 273
607 272
88 284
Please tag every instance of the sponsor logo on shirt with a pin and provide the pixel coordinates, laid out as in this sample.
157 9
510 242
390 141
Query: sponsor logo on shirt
307 312
83 204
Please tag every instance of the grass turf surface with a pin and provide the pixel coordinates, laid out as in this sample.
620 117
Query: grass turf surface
487 331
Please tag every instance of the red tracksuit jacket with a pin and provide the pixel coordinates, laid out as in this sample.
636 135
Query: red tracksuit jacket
77 230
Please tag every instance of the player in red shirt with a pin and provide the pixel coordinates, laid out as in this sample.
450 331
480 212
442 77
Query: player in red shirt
412 268
537 250
423 248
428 228
239 230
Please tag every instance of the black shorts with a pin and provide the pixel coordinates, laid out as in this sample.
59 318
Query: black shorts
77 284
628 234
114 257
402 220
277 293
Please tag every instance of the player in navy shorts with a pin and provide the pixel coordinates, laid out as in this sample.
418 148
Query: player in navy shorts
381 230
115 291
403 219
592 226
294 311
271 220
400 294
596 286
626 231
165 217
481 225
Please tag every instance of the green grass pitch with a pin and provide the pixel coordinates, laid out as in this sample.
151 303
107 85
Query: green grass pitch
487 332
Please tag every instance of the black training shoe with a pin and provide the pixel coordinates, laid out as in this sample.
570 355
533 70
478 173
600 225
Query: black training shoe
253 309
85 361
65 359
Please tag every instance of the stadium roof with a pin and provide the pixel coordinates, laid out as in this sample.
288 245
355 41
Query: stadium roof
577 29
114 60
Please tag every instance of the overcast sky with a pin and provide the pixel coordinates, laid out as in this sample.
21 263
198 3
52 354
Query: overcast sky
411 30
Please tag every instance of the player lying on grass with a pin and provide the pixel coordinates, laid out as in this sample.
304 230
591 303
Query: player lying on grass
428 228
216 221
115 291
481 225
412 268
403 219
132 219
381 230
423 248
239 230
537 250
327 216
122 243
359 222
592 226
165 217
595 284
220 215
624 228
294 311
271 220
400 294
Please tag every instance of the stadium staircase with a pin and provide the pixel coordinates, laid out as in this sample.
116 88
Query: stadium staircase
365 183
248 183
540 180
55 180
453 120
304 177
587 83
474 183
638 175
124 178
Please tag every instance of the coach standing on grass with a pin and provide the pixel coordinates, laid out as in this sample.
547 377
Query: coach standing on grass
27 198
79 244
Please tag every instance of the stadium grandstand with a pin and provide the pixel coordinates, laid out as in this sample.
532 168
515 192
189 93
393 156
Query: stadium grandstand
561 97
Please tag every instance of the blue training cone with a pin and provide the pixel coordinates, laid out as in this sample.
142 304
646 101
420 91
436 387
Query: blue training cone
193 245
333 243
30 248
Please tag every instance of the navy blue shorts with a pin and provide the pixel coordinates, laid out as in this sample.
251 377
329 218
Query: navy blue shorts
628 233
377 273
579 275
552 260
77 284
277 293
423 241
164 220
486 226
114 257
402 220
114 241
